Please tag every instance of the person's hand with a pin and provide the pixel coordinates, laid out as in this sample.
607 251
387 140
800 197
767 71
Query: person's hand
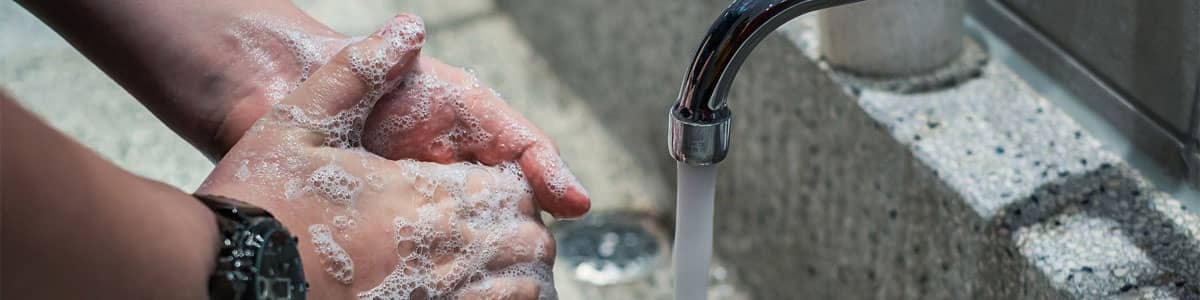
438 113
370 227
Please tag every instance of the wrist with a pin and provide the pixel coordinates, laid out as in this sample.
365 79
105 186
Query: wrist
196 234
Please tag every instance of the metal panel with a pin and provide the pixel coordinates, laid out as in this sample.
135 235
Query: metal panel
1134 62
1148 49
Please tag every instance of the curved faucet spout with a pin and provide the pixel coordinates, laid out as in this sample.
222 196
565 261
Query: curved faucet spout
699 120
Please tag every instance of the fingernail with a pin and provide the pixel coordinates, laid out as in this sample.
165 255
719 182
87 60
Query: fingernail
404 31
399 38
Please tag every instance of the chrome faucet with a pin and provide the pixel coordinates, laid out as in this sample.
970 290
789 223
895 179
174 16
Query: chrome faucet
698 132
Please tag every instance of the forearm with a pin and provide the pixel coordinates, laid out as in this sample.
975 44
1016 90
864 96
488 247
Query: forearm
174 56
71 217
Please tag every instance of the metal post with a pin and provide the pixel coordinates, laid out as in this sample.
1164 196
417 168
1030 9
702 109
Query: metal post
892 38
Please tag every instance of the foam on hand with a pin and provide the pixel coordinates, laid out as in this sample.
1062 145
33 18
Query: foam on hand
335 259
425 96
480 204
259 37
488 213
335 184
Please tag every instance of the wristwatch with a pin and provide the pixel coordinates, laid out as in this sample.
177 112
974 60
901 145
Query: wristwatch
258 258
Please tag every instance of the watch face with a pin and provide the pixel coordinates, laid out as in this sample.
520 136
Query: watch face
281 276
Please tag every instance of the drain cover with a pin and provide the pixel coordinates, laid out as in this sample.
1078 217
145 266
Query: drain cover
608 248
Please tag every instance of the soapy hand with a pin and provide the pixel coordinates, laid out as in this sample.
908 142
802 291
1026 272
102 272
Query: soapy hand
371 227
437 113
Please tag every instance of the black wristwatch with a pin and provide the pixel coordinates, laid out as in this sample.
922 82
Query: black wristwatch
258 257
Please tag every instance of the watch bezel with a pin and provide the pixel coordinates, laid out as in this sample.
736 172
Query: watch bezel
258 257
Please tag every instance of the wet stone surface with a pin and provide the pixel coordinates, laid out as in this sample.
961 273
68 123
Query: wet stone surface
1076 212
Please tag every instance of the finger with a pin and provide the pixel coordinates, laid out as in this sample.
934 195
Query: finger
531 243
495 206
555 187
501 186
504 288
505 135
413 120
336 99
443 115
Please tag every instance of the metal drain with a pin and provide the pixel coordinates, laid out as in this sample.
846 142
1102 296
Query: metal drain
609 248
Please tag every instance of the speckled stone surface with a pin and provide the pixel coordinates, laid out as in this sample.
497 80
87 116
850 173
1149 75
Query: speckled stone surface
1029 168
982 191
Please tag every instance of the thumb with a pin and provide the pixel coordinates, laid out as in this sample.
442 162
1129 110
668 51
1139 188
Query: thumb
555 187
332 105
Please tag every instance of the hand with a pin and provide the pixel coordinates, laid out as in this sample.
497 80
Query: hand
439 113
370 227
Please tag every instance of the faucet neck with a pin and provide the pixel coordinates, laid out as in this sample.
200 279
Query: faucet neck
729 41
699 122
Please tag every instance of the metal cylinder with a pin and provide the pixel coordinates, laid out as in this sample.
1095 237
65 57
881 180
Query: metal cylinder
892 38
697 144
